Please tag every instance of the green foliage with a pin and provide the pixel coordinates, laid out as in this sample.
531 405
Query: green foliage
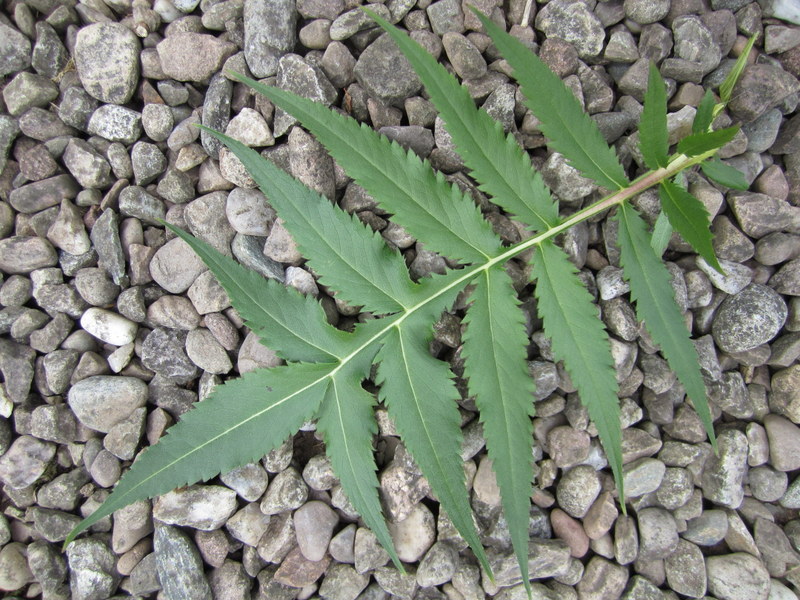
326 368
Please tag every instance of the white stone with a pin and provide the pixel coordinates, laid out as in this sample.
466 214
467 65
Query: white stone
109 327
250 128
204 507
413 535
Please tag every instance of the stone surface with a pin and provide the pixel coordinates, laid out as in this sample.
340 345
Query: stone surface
107 59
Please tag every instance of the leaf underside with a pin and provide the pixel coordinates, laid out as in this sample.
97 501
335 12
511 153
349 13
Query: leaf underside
247 417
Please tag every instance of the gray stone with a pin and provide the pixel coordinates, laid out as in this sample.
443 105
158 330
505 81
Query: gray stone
287 491
27 90
190 56
722 475
737 576
645 12
572 21
602 579
313 524
577 490
269 33
180 568
216 112
116 123
759 214
342 582
25 461
248 525
68 232
446 15
134 201
694 42
157 121
148 162
206 352
206 220
784 443
760 88
15 50
175 266
248 212
76 107
163 352
546 558
385 73
750 318
298 76
250 128
347 24
105 238
107 58
100 402
658 534
39 195
685 570
93 575
22 254
49 569
464 56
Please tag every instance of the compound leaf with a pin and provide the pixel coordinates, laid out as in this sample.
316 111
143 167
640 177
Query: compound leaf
724 174
580 340
495 362
420 395
422 201
496 160
655 305
238 423
287 322
347 422
570 130
698 143
690 218
350 257
653 134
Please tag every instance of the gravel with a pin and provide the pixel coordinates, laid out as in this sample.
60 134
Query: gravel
111 327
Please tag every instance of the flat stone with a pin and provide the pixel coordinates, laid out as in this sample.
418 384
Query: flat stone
107 58
760 88
313 525
737 576
204 507
546 558
25 461
23 254
189 56
102 401
385 73
15 50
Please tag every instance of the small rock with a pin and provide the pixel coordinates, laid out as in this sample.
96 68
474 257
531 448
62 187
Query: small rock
385 73
658 534
784 443
722 475
175 266
287 491
107 58
414 535
737 576
179 566
297 571
109 326
573 22
100 402
25 461
602 579
577 490
248 525
190 56
116 123
748 319
760 88
313 524
269 32
342 582
204 507
22 254
93 575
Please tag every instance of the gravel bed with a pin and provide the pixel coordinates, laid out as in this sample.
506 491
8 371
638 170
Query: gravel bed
111 328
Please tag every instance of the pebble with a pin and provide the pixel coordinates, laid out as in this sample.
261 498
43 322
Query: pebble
784 443
287 491
269 32
414 535
248 525
297 571
722 476
437 566
368 554
748 319
204 507
658 534
737 576
102 401
175 266
760 88
157 121
248 212
190 56
313 525
250 128
116 123
107 58
385 73
570 530
685 570
27 90
577 490
572 22
342 582
68 232
179 566
15 50
109 326
92 570
147 161
23 254
602 579
25 461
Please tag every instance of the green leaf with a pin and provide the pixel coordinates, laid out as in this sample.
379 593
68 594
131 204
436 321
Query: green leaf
502 168
724 174
287 322
698 143
347 422
422 201
239 423
350 257
655 305
570 130
580 340
726 88
690 218
705 113
662 232
653 134
495 356
420 395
